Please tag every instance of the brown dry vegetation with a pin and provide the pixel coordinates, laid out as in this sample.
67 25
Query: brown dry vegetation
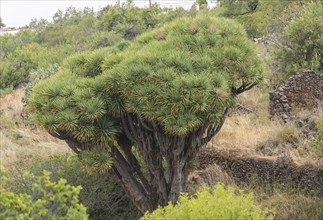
288 203
19 141
255 134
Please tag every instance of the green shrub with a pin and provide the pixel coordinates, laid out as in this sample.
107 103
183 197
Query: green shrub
215 203
37 75
259 17
304 46
17 65
104 39
101 194
47 200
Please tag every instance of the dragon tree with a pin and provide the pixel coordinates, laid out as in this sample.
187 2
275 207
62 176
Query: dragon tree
143 109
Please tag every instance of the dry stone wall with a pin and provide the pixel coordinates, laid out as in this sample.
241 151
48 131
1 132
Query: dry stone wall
303 89
269 172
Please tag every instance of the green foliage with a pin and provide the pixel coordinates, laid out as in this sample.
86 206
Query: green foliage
259 17
35 76
47 200
292 28
67 25
177 76
16 66
303 49
74 30
202 3
181 77
9 43
96 160
104 39
101 194
239 7
130 21
215 203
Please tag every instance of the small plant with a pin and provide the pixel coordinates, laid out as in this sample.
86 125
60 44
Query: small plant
101 194
48 200
212 203
288 134
318 142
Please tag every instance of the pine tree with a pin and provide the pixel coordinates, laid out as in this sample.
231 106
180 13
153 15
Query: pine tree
152 104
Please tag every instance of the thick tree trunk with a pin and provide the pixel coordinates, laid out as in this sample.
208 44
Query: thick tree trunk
131 180
165 159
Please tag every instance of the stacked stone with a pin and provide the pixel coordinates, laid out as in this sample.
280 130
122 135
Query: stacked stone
279 106
283 170
303 89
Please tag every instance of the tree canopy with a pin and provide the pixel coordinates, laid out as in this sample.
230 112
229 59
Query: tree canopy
176 76
164 95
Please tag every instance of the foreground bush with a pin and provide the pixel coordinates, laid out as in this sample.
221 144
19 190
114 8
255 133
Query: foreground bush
214 203
101 194
47 200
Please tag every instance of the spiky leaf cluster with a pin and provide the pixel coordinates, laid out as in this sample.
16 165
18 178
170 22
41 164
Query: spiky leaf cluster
96 160
178 76
68 104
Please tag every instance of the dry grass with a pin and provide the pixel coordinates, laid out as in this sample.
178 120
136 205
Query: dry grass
250 132
288 203
19 141
245 133
210 176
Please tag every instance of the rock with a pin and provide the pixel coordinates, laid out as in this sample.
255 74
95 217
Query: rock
303 89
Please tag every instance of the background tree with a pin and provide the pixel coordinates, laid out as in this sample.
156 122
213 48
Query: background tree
149 106
18 64
240 7
202 3
93 30
259 17
1 23
302 47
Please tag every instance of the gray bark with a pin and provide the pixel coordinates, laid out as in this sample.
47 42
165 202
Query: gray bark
166 159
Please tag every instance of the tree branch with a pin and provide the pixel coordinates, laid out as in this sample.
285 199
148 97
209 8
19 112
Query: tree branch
243 88
135 188
127 131
216 129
